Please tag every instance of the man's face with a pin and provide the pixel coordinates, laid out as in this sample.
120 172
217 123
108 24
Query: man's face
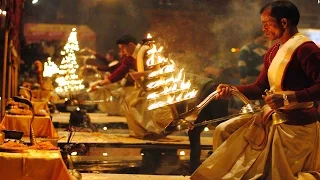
109 57
121 55
270 26
127 49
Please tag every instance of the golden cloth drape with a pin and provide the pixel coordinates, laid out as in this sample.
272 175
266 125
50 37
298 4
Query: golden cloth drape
42 125
40 105
142 121
111 94
33 165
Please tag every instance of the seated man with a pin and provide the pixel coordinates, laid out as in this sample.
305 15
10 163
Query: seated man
282 141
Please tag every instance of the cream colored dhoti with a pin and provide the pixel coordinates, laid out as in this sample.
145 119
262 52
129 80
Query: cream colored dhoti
142 121
110 97
290 152
243 150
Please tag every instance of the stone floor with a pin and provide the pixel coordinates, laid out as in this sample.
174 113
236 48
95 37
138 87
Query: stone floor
112 150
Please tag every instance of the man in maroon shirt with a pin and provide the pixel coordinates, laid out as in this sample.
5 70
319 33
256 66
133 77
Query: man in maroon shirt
261 146
129 47
106 62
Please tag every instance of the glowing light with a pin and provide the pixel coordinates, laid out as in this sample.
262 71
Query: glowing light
172 85
74 153
149 36
68 80
166 69
34 1
206 129
50 68
142 154
182 153
233 50
104 154
105 128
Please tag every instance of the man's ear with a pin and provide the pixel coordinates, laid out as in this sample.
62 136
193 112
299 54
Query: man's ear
284 22
131 44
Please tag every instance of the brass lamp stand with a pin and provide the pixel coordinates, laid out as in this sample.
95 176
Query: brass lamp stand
27 102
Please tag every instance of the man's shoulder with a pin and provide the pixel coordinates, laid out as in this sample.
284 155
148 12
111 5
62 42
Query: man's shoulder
128 61
307 48
308 45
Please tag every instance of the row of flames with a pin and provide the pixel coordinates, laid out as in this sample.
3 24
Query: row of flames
174 86
68 80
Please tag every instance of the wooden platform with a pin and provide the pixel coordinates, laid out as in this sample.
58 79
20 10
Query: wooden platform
96 118
92 176
120 137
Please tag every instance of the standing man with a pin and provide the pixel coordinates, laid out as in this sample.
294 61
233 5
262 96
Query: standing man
251 58
261 146
215 109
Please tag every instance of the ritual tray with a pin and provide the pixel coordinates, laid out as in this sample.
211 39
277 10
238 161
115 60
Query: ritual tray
16 150
15 147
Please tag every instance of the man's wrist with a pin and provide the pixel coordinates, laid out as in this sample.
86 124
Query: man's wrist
289 97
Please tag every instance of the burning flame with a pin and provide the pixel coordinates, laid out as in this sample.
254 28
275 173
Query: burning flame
164 70
172 89
155 57
69 80
178 90
50 68
162 82
173 99
149 36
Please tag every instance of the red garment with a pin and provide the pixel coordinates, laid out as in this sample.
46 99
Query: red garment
302 76
127 63
102 63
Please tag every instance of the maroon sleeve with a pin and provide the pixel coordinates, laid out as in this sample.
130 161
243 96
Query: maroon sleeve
103 68
100 56
126 64
309 56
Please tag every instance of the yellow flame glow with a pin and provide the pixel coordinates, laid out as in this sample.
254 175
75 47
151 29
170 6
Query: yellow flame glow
50 68
172 89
